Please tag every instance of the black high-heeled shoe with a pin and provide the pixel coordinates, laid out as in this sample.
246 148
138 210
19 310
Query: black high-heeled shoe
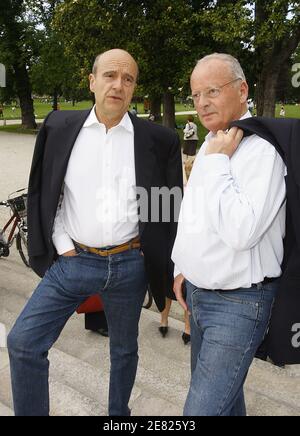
163 331
186 338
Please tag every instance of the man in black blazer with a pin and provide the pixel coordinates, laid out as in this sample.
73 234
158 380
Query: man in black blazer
94 229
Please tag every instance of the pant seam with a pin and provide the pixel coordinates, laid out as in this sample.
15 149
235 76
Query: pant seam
244 353
108 275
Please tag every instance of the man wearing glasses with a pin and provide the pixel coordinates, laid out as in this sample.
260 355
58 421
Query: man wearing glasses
229 246
99 235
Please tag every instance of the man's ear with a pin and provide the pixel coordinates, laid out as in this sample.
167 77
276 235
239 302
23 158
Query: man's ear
92 82
244 92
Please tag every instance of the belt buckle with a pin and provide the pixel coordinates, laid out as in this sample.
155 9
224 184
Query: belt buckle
103 253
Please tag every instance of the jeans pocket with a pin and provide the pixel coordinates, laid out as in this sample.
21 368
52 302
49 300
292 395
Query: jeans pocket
251 308
78 254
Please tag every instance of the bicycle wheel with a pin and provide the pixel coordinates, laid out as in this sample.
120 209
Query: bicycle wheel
148 299
22 247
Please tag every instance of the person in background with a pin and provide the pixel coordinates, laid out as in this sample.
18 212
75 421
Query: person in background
96 322
164 322
134 111
190 138
251 106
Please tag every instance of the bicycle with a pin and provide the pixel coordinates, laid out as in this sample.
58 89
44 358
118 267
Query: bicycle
18 232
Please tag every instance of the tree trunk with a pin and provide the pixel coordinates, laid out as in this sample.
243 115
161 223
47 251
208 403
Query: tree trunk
55 100
155 107
266 92
283 82
269 106
169 110
23 87
271 58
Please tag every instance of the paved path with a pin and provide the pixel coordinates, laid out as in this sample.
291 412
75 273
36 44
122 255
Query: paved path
79 359
16 122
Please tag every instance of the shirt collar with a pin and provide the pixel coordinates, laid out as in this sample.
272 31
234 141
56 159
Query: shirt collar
244 117
92 120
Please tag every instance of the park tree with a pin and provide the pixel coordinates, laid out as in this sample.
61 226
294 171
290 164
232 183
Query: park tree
53 71
164 49
155 32
17 45
277 36
165 37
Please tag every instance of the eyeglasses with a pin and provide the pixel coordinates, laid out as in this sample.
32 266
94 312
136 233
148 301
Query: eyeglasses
212 92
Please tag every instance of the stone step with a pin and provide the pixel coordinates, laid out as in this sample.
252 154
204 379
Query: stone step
79 389
65 401
76 354
276 384
5 411
80 369
15 275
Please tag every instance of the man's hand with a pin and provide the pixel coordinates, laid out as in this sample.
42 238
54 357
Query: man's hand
71 253
178 290
225 143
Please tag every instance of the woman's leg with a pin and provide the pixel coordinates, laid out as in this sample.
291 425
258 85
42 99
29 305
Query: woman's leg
186 336
164 318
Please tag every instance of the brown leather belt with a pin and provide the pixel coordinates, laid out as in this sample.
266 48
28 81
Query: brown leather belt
134 243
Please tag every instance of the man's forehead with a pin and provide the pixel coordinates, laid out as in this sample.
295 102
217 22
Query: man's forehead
116 65
211 71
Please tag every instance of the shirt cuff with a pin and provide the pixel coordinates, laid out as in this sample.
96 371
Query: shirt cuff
216 164
63 243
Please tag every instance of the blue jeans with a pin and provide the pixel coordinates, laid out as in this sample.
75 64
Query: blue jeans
121 281
227 327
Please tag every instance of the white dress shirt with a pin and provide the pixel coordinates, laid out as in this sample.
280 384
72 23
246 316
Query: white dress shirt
99 207
232 220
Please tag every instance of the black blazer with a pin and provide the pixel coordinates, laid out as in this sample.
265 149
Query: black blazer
157 164
282 340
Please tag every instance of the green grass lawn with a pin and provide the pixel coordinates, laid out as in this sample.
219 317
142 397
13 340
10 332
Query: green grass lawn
17 129
42 109
291 111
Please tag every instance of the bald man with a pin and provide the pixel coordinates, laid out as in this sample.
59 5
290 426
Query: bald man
89 233
234 213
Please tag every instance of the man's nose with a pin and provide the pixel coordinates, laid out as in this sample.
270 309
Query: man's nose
203 102
118 83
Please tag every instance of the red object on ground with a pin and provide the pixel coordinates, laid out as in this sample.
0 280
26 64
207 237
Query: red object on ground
91 305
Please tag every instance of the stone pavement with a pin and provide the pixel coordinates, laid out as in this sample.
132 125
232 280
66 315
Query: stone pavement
80 359
39 121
